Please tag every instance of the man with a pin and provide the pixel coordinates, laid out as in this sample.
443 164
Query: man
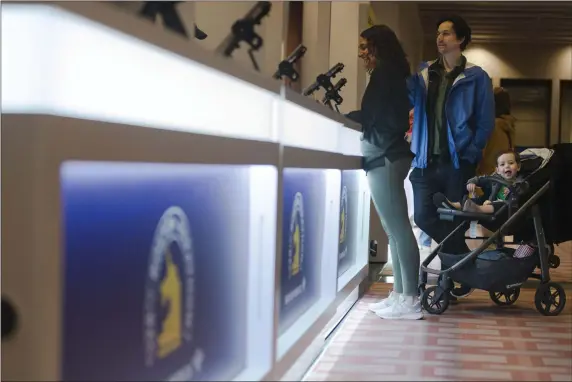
453 119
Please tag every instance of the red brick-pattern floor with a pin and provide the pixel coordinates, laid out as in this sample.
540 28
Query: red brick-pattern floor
473 340
564 271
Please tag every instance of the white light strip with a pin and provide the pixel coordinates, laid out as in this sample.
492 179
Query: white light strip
307 129
349 142
56 62
262 257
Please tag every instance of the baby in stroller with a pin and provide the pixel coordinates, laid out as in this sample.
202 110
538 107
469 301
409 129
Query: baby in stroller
520 204
495 194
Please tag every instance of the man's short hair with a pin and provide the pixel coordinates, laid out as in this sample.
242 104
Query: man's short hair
462 29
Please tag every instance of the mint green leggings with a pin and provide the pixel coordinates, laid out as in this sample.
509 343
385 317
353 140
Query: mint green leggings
388 195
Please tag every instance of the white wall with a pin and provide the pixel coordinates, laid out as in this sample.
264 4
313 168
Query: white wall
215 18
518 61
533 62
404 19
348 19
316 38
410 33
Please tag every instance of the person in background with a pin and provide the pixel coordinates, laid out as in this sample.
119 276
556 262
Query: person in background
453 120
503 135
387 160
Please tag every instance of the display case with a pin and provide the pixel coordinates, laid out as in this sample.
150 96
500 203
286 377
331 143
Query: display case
146 234
317 149
160 255
149 222
308 264
138 256
353 226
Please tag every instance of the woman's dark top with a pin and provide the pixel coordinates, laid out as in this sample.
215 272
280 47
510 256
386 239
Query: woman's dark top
384 115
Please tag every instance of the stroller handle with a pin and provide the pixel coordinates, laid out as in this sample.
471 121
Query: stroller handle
522 185
444 213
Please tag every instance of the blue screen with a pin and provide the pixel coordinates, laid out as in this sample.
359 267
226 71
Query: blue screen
155 270
349 219
302 238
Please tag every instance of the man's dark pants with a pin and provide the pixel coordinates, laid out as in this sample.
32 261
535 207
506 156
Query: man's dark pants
444 178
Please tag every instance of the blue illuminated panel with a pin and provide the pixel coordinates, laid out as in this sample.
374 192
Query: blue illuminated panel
302 241
349 220
156 271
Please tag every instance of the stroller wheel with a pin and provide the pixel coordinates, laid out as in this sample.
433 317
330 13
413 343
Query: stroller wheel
550 299
553 261
505 298
435 300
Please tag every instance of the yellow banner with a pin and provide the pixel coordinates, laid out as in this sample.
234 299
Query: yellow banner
371 16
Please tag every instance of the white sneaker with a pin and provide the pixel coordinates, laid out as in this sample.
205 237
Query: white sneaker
385 303
406 308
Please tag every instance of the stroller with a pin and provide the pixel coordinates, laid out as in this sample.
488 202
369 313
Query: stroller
535 213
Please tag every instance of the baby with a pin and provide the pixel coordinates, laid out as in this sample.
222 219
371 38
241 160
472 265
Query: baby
508 166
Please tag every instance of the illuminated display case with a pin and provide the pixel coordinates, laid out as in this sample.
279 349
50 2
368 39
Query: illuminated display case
180 249
354 225
68 53
144 236
148 235
318 148
308 267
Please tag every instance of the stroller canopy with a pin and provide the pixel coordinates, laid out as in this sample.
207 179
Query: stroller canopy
540 158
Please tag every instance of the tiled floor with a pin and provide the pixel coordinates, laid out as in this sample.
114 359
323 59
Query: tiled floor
564 271
473 340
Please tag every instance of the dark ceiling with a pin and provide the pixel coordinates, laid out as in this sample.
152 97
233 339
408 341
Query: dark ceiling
505 21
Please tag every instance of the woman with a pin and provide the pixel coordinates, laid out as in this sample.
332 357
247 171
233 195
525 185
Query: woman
502 137
384 118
